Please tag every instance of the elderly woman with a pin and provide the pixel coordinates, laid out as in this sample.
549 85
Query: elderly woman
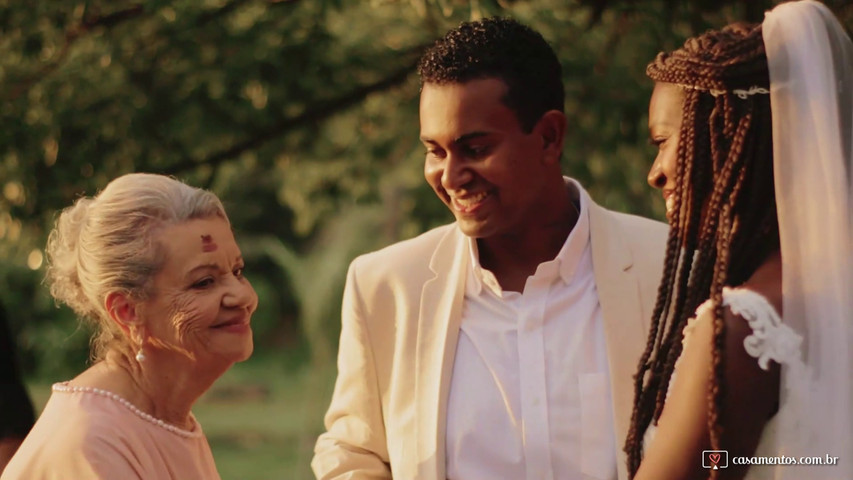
153 264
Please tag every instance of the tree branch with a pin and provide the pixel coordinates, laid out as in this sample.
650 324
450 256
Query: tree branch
72 35
320 112
223 10
623 24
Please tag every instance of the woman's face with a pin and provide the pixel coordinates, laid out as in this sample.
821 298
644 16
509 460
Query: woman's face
201 303
665 110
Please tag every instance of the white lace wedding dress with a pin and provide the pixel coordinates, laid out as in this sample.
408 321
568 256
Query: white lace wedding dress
770 340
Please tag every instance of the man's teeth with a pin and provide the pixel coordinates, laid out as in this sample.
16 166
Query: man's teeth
472 200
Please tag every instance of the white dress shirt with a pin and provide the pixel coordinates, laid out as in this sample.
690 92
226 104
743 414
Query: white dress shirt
530 391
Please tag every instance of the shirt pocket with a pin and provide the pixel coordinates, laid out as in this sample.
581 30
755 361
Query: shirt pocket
598 449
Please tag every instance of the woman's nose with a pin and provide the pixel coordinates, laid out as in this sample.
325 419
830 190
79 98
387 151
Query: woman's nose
656 177
240 294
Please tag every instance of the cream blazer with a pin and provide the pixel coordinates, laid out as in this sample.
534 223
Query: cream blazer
400 323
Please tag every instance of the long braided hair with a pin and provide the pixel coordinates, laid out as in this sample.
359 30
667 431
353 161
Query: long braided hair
724 225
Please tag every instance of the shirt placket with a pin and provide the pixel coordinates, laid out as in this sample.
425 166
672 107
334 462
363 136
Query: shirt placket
533 383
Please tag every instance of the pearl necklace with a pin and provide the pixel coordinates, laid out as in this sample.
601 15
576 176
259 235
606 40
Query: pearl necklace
65 388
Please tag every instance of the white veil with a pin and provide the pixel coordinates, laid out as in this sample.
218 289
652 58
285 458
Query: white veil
811 86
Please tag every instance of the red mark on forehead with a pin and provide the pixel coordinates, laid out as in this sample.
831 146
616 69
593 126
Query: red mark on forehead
207 244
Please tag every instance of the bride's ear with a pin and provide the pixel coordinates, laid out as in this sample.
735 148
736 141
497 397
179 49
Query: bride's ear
122 310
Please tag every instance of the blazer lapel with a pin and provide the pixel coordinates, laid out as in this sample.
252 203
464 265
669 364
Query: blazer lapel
621 308
438 331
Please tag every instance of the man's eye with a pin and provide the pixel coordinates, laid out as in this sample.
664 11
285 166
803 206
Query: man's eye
476 151
238 272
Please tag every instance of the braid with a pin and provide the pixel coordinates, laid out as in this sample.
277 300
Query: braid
716 389
647 400
663 300
723 227
640 412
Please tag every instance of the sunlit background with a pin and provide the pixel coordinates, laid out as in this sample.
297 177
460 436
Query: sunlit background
302 116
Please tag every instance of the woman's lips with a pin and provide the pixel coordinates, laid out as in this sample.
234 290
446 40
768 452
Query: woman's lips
234 326
669 200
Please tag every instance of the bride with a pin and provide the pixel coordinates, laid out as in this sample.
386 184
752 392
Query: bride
749 354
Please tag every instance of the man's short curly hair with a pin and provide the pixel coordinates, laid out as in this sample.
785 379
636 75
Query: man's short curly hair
505 49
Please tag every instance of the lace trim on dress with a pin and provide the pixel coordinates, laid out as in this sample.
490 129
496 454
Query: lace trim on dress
770 339
773 340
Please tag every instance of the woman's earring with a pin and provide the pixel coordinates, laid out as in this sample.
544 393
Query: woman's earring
138 334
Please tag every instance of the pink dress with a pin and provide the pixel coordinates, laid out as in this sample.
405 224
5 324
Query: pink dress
86 434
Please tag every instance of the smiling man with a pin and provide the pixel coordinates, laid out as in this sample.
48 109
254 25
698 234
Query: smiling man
502 345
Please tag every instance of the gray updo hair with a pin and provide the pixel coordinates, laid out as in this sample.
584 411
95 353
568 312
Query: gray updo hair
107 244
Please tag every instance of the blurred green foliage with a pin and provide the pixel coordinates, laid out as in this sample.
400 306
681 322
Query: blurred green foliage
301 115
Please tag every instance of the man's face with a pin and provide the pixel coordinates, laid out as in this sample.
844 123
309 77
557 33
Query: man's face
479 161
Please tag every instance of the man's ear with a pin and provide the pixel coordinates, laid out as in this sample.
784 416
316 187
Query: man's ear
552 129
122 310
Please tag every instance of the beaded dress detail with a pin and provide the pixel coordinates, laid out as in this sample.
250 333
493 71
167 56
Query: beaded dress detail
64 387
88 433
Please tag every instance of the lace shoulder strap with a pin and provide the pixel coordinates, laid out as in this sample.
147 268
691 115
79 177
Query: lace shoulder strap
770 339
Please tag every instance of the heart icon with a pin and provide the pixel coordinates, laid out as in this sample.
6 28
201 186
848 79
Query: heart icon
714 457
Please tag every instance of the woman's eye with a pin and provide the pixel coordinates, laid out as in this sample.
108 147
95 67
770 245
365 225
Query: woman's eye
238 272
433 153
203 283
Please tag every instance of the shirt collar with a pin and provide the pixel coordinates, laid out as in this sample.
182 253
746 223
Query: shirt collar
569 256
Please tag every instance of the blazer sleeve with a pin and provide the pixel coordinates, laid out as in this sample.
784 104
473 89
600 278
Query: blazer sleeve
354 444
